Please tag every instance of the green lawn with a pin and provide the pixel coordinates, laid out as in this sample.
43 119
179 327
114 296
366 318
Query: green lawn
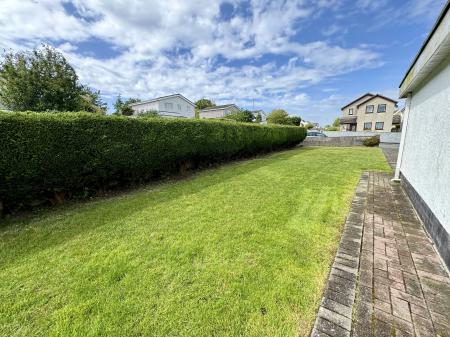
241 250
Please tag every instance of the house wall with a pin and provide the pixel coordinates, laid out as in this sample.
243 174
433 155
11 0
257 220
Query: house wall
385 117
213 113
425 165
176 107
346 111
219 113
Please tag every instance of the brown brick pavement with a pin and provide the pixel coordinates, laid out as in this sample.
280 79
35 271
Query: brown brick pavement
387 279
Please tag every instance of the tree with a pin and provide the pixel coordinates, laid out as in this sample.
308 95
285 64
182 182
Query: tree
204 103
295 120
123 107
90 101
118 105
309 126
335 126
42 80
258 118
278 116
244 116
127 110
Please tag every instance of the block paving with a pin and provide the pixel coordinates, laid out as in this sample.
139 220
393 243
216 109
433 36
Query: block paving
386 279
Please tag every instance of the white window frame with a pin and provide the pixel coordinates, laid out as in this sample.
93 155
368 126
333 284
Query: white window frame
350 111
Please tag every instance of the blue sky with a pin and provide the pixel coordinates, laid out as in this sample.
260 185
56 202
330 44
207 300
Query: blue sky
309 57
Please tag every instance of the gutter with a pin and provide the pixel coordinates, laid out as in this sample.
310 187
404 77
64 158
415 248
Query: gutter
430 35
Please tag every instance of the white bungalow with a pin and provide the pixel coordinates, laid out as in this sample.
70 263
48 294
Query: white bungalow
166 106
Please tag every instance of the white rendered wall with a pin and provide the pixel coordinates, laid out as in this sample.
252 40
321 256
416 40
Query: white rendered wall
212 114
426 156
179 108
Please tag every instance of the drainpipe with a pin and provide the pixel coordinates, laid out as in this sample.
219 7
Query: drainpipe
402 139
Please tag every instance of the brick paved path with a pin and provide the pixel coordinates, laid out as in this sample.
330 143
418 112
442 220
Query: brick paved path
390 151
387 279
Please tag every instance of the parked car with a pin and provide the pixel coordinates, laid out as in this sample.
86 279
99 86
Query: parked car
315 134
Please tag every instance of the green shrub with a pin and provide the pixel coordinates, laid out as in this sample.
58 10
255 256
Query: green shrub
372 141
47 156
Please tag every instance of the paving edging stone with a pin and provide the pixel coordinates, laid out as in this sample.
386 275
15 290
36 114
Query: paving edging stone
334 317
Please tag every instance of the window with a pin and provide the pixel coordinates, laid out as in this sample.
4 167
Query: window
369 109
168 105
179 107
381 108
379 125
368 125
350 111
187 108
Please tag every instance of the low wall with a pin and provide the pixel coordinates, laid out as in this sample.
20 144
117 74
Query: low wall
385 137
334 141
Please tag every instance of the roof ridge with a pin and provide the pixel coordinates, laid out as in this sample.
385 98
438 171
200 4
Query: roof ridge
377 95
162 97
366 94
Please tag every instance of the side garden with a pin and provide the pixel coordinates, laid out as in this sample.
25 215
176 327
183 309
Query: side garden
239 250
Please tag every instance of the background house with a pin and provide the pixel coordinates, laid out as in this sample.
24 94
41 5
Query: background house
166 106
219 111
423 163
262 114
369 112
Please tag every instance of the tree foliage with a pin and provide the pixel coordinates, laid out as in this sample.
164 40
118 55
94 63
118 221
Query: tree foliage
244 116
295 120
278 116
43 80
90 101
149 114
337 122
204 103
122 107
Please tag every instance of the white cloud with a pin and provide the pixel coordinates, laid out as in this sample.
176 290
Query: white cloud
148 35
37 21
371 4
333 29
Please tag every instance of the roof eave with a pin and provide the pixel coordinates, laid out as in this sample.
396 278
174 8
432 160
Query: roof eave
161 98
417 71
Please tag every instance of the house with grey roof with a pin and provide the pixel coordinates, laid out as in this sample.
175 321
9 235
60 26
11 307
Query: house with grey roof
218 111
175 106
369 112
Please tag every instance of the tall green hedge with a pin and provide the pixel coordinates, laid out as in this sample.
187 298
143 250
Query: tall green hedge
48 154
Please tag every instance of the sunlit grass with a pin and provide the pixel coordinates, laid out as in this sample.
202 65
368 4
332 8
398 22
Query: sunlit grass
241 250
